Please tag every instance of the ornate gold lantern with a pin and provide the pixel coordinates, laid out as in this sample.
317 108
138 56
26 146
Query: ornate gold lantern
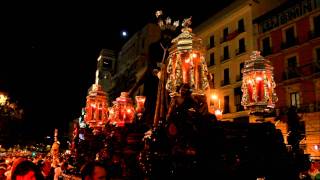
187 63
122 112
96 107
258 84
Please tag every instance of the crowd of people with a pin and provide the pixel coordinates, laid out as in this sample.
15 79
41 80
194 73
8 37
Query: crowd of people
42 168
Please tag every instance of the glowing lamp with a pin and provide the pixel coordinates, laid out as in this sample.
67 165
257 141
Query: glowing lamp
186 63
140 100
214 97
258 84
96 108
218 114
3 99
122 111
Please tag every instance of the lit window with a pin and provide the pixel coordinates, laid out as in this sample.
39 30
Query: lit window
295 99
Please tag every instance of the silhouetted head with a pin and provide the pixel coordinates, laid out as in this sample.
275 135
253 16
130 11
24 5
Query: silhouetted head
25 169
93 171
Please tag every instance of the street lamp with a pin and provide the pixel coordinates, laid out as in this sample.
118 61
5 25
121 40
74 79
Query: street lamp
3 99
217 110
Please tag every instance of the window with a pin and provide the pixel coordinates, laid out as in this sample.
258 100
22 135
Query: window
266 48
295 99
107 63
242 47
212 80
290 37
225 53
226 108
318 55
292 62
212 59
237 99
226 76
211 41
316 22
225 34
241 67
241 26
292 71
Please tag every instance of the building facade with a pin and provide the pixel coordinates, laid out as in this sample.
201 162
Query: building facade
229 40
106 66
132 61
289 36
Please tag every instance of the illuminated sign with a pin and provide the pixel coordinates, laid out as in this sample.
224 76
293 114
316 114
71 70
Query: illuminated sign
288 14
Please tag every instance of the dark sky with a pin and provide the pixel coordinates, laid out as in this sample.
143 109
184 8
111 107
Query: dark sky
49 50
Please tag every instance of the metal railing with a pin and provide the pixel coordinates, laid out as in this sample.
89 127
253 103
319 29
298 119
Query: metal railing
239 78
266 51
314 34
225 82
224 58
240 50
289 43
302 71
301 108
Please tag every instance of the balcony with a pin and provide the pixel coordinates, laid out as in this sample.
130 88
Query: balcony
314 34
225 82
240 50
230 36
224 58
239 78
301 108
224 39
239 107
209 46
290 43
240 30
266 51
290 73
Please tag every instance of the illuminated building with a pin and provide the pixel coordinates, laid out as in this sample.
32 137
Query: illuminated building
133 60
289 36
228 36
106 67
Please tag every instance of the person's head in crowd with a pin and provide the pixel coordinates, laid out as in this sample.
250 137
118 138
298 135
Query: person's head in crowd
3 169
23 169
94 171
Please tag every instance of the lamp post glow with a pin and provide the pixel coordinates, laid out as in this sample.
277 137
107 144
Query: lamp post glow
3 99
216 110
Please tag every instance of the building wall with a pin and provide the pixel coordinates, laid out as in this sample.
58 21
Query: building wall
305 81
132 60
312 123
106 67
229 18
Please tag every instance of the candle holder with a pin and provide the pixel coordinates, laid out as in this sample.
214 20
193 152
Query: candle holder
140 101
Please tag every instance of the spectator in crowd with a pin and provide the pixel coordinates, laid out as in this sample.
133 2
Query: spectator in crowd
94 171
23 169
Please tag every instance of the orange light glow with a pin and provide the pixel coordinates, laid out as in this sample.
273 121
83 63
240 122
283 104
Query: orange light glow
194 55
258 78
214 97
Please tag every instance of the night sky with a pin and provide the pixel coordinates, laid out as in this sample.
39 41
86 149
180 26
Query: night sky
49 50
